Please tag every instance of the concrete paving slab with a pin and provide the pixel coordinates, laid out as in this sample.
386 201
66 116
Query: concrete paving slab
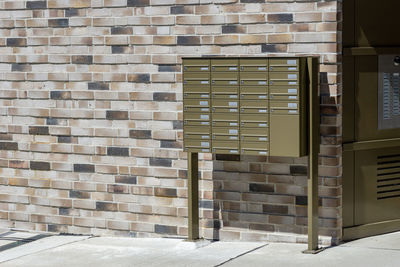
290 255
21 235
386 241
37 246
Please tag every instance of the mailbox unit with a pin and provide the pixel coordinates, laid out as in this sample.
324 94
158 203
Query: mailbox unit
250 106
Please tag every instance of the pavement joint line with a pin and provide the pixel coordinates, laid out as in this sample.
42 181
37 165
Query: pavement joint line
44 249
391 249
240 255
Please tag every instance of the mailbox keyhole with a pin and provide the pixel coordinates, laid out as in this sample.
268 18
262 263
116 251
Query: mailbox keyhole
396 61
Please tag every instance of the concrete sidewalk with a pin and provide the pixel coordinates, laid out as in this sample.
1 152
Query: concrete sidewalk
60 251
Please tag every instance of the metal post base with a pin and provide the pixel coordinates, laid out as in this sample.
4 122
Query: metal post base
194 244
315 251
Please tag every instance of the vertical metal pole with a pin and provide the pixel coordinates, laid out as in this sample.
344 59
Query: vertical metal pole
193 196
314 140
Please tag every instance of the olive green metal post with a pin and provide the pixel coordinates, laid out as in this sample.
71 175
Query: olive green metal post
313 142
193 196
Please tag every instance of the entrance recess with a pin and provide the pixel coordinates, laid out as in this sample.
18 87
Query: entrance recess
371 118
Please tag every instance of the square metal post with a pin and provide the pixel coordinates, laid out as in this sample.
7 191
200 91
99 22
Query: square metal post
193 196
313 142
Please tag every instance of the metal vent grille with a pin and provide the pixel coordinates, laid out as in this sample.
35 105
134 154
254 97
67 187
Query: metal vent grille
388 176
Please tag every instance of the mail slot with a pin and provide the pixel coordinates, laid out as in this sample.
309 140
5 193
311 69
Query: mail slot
197 116
225 65
198 150
195 96
225 151
254 138
196 78
196 123
197 129
254 145
254 110
253 90
253 104
199 89
284 78
225 110
226 137
254 131
226 117
225 103
253 124
230 90
284 107
252 78
254 117
288 62
225 123
198 143
253 97
197 136
254 65
196 103
195 109
225 130
225 96
197 65
284 93
224 78
255 152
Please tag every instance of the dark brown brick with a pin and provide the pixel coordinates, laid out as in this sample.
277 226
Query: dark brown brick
227 157
177 9
60 95
121 30
21 67
283 18
98 86
165 192
119 49
206 204
4 136
275 209
261 188
89 168
165 229
58 228
39 130
140 134
188 40
117 188
8 146
117 115
164 96
177 125
138 3
252 1
301 200
233 29
298 170
64 139
82 59
79 194
58 23
125 179
139 78
71 12
51 121
160 162
16 41
40 165
64 211
106 206
118 151
271 48
19 164
36 4
170 144
168 68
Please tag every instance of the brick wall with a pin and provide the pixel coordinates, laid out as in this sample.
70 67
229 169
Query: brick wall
91 117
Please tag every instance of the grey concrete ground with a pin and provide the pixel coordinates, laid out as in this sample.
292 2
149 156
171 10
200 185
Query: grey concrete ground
61 251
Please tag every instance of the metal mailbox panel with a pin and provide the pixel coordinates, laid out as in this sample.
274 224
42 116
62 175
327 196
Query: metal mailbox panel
254 90
199 150
196 102
225 130
284 78
254 131
196 123
225 103
253 78
284 107
225 96
197 136
230 144
196 109
254 65
197 129
224 65
195 96
253 104
225 78
254 110
254 145
284 93
226 137
253 124
225 151
196 64
225 117
230 90
197 116
277 62
225 123
246 138
253 97
255 152
285 135
196 76
254 117
200 89
198 143
225 110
